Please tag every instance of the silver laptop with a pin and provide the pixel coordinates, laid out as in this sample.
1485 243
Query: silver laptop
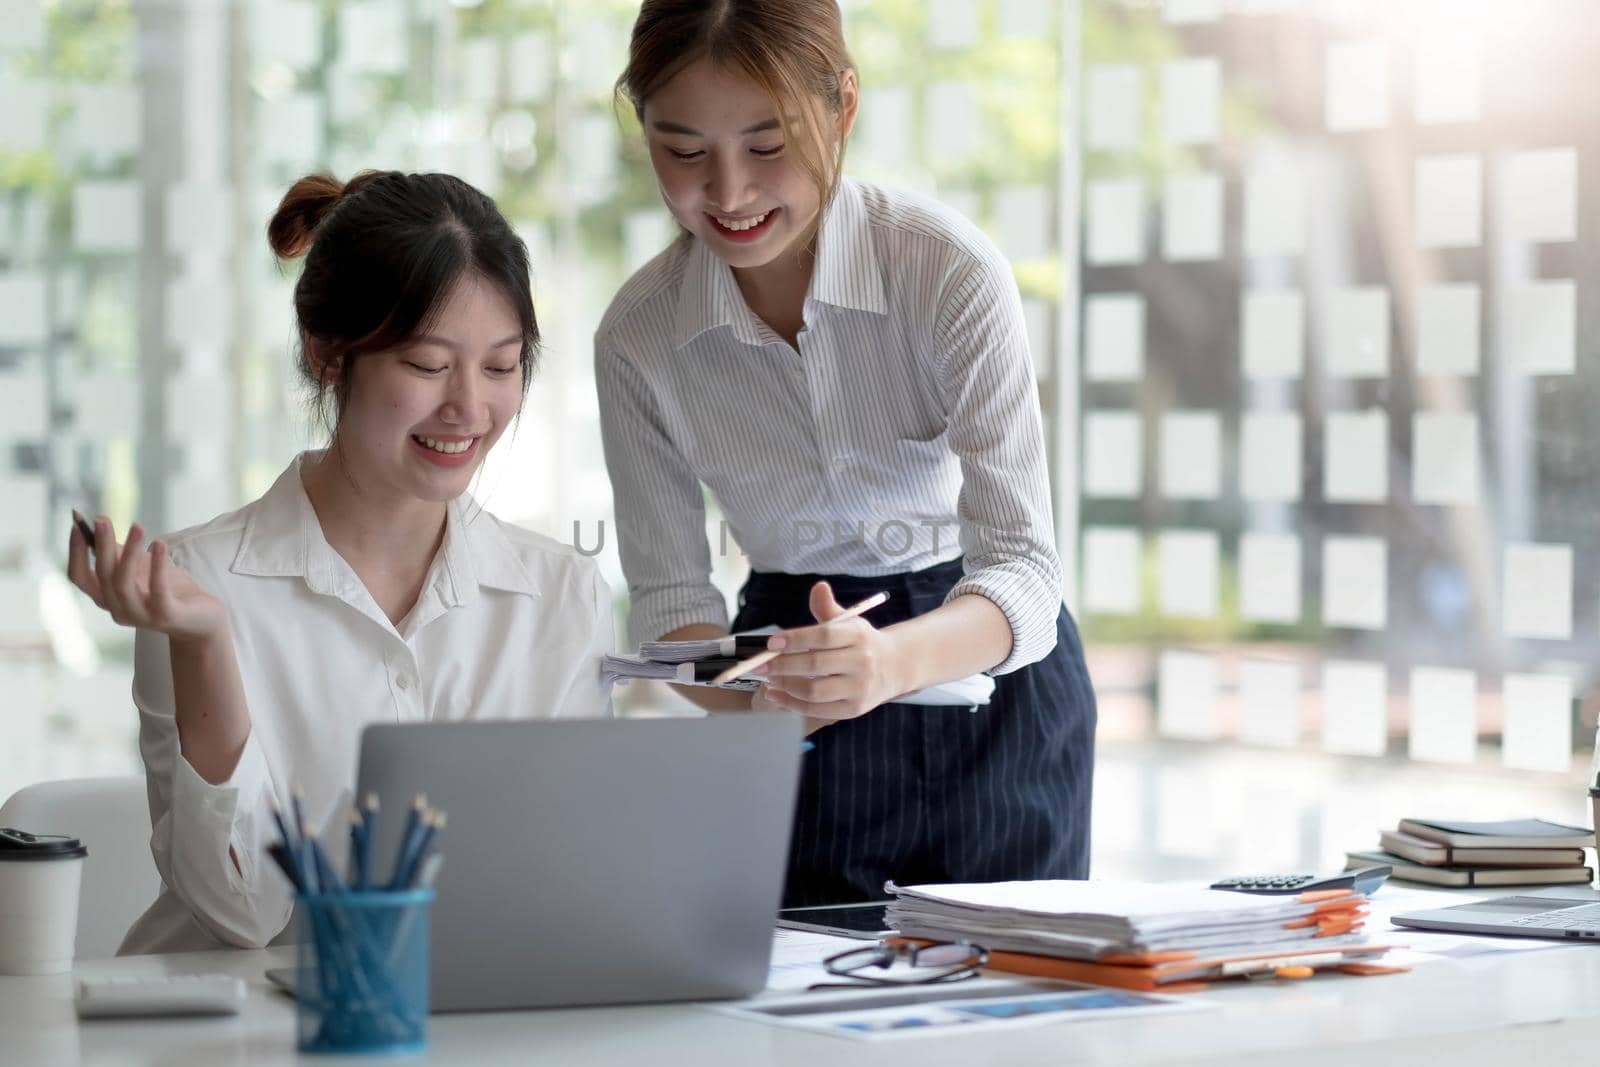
1561 912
595 861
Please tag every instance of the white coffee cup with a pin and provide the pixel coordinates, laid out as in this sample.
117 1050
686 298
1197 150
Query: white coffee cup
39 879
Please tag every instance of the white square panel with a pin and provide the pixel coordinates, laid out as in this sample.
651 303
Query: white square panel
372 37
1187 701
1191 219
25 120
1116 221
1356 335
645 234
22 308
1444 715
1188 561
952 24
198 214
1356 457
1448 329
106 216
105 406
479 71
1113 106
1273 333
198 312
22 24
1355 708
1444 463
960 121
1025 18
885 130
1111 570
1541 195
287 32
1269 699
1191 455
24 408
1191 94
1269 577
1355 582
1112 454
1536 734
1022 217
1537 597
1449 203
1269 456
1188 11
531 69
1542 323
289 130
1356 94
1114 337
1274 212
1449 76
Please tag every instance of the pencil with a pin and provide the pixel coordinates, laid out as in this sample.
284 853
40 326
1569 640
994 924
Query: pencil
745 666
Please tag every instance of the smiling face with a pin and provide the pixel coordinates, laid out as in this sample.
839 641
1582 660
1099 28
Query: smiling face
724 168
420 418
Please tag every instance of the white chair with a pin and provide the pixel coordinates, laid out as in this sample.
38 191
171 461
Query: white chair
112 818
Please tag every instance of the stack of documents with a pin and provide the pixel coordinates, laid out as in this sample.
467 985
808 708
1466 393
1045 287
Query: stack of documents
1138 935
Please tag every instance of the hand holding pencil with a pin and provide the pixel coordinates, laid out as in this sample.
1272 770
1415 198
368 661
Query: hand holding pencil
840 668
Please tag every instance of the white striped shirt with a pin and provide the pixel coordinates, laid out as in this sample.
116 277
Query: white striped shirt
903 433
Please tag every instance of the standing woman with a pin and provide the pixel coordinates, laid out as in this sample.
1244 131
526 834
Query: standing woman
845 366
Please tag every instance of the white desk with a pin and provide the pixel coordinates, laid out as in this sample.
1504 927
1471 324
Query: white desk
1521 1009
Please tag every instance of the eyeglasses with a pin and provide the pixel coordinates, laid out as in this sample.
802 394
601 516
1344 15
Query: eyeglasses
939 961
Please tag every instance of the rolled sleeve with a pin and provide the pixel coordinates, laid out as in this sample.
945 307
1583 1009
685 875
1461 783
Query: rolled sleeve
987 385
660 508
195 823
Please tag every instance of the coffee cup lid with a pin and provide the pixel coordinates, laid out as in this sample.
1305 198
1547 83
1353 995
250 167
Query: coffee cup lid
21 845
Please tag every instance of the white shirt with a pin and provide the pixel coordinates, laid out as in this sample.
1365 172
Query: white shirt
509 625
904 432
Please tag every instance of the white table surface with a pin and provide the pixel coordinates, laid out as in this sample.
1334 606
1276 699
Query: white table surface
1520 1009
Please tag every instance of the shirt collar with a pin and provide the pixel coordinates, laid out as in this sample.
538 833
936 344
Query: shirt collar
282 538
846 276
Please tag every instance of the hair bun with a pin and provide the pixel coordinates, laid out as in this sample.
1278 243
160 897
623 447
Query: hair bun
301 211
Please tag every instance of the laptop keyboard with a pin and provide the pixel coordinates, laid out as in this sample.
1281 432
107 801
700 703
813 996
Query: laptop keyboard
1586 917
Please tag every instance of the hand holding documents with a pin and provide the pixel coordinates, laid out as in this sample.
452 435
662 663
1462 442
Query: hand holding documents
701 662
1141 936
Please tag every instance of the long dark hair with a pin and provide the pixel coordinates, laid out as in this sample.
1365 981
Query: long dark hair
382 253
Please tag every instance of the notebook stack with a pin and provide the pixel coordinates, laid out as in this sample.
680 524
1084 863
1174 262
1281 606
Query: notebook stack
1142 936
687 662
1455 853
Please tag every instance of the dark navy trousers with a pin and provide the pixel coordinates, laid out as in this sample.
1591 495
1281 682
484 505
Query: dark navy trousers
922 794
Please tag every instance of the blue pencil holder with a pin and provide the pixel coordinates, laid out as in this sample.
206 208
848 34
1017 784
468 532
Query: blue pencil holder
362 971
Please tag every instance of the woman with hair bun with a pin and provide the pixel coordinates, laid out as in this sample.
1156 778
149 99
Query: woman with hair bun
845 365
366 585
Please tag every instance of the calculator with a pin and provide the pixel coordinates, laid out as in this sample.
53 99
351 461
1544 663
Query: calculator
1362 881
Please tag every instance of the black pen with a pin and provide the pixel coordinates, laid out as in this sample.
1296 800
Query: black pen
84 528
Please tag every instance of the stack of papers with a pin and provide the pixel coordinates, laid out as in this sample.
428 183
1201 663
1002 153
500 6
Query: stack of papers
1137 935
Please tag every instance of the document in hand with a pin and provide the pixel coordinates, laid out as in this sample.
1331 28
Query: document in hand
1137 935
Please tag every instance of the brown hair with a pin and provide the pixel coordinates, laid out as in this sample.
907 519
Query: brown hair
383 253
793 50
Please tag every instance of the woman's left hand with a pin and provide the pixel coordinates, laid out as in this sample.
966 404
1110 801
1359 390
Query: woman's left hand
833 670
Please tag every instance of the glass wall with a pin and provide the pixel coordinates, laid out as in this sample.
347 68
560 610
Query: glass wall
1307 352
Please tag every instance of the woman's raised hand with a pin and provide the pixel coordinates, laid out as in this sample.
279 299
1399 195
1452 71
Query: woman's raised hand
144 589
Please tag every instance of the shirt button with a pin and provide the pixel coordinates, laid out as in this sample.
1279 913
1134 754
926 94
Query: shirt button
403 682
841 461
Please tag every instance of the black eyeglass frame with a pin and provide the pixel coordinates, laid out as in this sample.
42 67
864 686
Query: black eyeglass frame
884 954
